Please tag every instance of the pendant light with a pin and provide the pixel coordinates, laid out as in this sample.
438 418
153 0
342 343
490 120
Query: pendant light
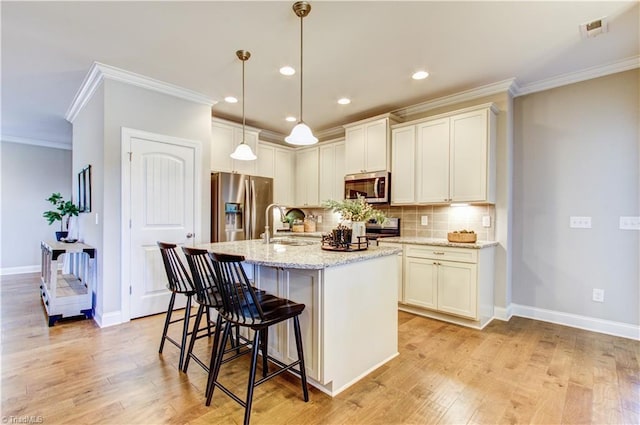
243 152
301 134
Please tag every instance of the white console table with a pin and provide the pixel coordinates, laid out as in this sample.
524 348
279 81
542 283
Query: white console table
71 294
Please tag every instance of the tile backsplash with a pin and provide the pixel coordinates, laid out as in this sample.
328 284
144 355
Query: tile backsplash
440 220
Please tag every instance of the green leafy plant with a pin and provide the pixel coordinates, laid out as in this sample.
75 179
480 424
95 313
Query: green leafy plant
63 212
355 210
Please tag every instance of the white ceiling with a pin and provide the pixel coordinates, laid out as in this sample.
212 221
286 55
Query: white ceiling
363 50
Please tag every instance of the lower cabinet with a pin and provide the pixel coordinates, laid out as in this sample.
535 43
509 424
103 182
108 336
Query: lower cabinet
449 283
302 286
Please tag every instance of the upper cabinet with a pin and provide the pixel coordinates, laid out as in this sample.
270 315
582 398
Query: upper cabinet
447 158
225 136
284 176
367 145
306 182
331 172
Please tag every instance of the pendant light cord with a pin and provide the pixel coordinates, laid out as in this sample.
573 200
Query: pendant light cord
243 118
301 42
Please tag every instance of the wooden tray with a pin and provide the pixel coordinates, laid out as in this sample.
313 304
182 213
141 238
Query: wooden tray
462 237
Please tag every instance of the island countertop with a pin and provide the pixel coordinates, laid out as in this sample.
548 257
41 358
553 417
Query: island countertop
311 257
438 242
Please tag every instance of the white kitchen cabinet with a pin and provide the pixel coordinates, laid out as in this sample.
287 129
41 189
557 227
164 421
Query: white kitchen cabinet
331 171
367 145
225 136
302 286
449 283
453 159
279 164
306 182
403 165
284 176
266 162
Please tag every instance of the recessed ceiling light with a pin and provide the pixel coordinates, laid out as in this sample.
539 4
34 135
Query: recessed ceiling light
420 75
287 70
344 101
230 99
291 119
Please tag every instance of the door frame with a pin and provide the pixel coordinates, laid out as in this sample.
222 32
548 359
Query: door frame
127 136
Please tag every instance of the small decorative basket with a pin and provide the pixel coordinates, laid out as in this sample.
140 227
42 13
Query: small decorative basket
462 237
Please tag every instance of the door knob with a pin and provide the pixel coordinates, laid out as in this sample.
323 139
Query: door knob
190 235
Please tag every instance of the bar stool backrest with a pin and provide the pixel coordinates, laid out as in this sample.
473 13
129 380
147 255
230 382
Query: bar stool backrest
207 288
240 302
178 279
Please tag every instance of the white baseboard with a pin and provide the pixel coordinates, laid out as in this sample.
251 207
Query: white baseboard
6 271
502 313
109 319
624 330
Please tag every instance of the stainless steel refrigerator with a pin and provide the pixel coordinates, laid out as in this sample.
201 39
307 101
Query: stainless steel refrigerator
238 203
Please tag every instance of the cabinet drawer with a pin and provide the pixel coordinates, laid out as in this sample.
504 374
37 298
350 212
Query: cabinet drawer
465 255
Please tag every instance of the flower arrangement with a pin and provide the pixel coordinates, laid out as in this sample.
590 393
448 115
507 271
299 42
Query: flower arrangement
356 210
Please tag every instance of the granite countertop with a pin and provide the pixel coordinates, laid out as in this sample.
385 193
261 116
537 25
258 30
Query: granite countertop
438 242
280 233
295 257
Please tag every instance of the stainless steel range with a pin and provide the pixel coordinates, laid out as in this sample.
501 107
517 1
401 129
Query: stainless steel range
390 228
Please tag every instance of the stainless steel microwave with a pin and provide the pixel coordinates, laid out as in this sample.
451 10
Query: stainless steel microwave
373 186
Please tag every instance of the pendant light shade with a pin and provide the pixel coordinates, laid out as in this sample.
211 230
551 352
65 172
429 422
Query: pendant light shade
243 151
301 134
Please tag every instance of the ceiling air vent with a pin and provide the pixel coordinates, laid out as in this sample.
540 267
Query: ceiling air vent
593 28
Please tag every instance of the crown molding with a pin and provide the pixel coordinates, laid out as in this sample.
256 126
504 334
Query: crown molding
36 142
482 91
99 71
576 77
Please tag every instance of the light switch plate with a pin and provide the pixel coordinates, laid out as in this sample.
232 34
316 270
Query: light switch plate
486 221
580 222
424 220
319 218
630 223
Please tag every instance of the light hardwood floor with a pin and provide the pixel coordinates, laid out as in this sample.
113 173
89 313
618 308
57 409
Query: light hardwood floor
523 371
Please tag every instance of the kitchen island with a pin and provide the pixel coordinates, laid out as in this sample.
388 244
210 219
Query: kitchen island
350 323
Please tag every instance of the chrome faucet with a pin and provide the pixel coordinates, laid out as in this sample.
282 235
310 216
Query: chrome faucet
267 237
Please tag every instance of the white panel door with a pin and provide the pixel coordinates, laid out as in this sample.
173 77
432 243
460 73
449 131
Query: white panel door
161 209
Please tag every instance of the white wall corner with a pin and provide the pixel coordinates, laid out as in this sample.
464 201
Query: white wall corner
624 330
109 319
503 313
99 71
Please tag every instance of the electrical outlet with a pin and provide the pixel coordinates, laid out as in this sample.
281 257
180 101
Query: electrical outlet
319 219
486 221
97 218
424 220
580 222
630 223
598 295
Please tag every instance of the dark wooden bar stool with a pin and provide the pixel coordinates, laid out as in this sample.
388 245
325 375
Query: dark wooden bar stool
179 282
243 307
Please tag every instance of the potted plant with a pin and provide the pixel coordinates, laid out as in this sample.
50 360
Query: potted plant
62 212
358 211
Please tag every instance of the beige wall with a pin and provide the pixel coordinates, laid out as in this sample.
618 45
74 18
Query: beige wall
576 154
30 174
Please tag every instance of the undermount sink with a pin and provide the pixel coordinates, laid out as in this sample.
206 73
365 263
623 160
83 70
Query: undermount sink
292 241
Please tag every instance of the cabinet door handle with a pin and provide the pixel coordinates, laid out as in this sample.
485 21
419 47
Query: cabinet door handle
438 252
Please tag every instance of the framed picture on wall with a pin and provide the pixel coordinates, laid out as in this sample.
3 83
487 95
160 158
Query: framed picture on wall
84 189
